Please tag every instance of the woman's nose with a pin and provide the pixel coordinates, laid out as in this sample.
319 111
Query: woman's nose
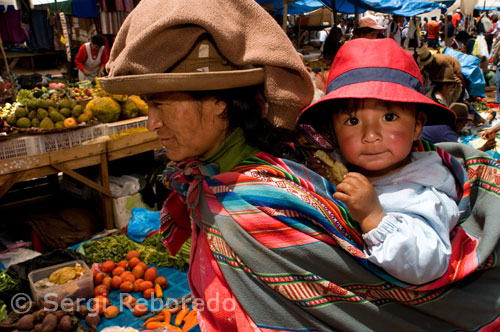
154 120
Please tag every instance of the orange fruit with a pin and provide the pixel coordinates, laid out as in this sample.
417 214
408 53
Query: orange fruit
129 277
118 270
127 287
102 300
111 312
145 285
116 282
107 282
101 290
162 281
137 284
133 262
70 122
107 266
99 277
138 271
123 264
129 301
150 274
139 310
148 293
133 253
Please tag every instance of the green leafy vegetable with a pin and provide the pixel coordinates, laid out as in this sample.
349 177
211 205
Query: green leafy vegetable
152 251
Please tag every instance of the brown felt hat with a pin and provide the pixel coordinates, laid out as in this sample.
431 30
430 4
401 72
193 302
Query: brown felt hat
203 68
193 45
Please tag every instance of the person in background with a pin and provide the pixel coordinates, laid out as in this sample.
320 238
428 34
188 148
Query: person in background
456 18
444 84
433 28
495 59
450 133
394 28
368 28
448 39
5 95
432 65
91 59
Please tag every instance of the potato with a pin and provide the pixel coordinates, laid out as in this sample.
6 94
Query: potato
26 323
65 324
92 320
49 323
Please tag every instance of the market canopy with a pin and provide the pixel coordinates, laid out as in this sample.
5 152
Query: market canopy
487 5
397 7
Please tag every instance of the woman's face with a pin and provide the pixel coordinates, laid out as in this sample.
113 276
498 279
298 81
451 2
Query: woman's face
377 136
188 128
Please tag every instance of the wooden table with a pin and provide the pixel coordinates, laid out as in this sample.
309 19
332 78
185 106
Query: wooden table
15 56
67 161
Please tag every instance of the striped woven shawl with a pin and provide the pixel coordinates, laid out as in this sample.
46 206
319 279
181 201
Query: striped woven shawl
284 244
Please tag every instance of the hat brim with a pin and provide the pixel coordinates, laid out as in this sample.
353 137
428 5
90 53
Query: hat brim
198 81
388 91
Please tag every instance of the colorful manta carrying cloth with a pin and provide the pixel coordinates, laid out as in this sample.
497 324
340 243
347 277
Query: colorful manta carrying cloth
269 236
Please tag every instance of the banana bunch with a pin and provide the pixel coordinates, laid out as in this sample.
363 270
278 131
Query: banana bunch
66 274
6 110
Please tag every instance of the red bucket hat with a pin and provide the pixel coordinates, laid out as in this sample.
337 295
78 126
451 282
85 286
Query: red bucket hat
379 69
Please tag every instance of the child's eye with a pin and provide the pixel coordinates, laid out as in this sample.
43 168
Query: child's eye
390 117
352 121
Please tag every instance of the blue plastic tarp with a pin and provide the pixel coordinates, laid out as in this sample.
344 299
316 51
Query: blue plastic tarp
295 8
471 71
398 7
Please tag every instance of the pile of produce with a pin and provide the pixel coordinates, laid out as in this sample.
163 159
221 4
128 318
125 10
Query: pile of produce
152 251
46 114
61 276
131 275
30 317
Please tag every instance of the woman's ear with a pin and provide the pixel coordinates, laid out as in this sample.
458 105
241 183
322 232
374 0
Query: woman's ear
220 106
419 124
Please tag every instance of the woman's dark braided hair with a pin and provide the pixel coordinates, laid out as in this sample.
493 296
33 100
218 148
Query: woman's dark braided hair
244 110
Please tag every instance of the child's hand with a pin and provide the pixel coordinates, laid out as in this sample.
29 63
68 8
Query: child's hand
361 199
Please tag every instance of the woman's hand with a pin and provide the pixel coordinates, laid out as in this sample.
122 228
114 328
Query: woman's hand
490 144
361 199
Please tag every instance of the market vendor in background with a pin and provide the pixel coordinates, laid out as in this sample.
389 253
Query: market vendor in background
90 67
368 28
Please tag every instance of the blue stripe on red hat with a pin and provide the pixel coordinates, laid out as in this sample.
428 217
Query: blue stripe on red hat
380 74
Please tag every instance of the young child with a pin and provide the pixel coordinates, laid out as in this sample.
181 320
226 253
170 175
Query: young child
404 201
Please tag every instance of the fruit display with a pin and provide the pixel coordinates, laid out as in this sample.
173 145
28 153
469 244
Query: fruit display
46 114
137 283
61 113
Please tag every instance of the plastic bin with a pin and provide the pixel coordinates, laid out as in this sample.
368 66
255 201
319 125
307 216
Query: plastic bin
76 289
71 138
114 128
20 147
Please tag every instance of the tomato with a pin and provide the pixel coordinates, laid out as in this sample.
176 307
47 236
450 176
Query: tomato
133 253
150 274
162 281
111 312
107 266
101 290
139 310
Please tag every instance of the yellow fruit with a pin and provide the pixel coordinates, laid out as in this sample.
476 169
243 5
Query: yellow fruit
70 123
105 109
141 104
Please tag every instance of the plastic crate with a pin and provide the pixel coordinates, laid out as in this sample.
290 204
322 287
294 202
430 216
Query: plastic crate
72 138
116 127
79 288
20 147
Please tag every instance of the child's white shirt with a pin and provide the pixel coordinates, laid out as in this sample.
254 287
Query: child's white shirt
412 242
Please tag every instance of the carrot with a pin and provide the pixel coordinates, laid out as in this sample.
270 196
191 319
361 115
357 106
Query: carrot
180 315
158 318
191 321
154 325
167 316
158 291
174 310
